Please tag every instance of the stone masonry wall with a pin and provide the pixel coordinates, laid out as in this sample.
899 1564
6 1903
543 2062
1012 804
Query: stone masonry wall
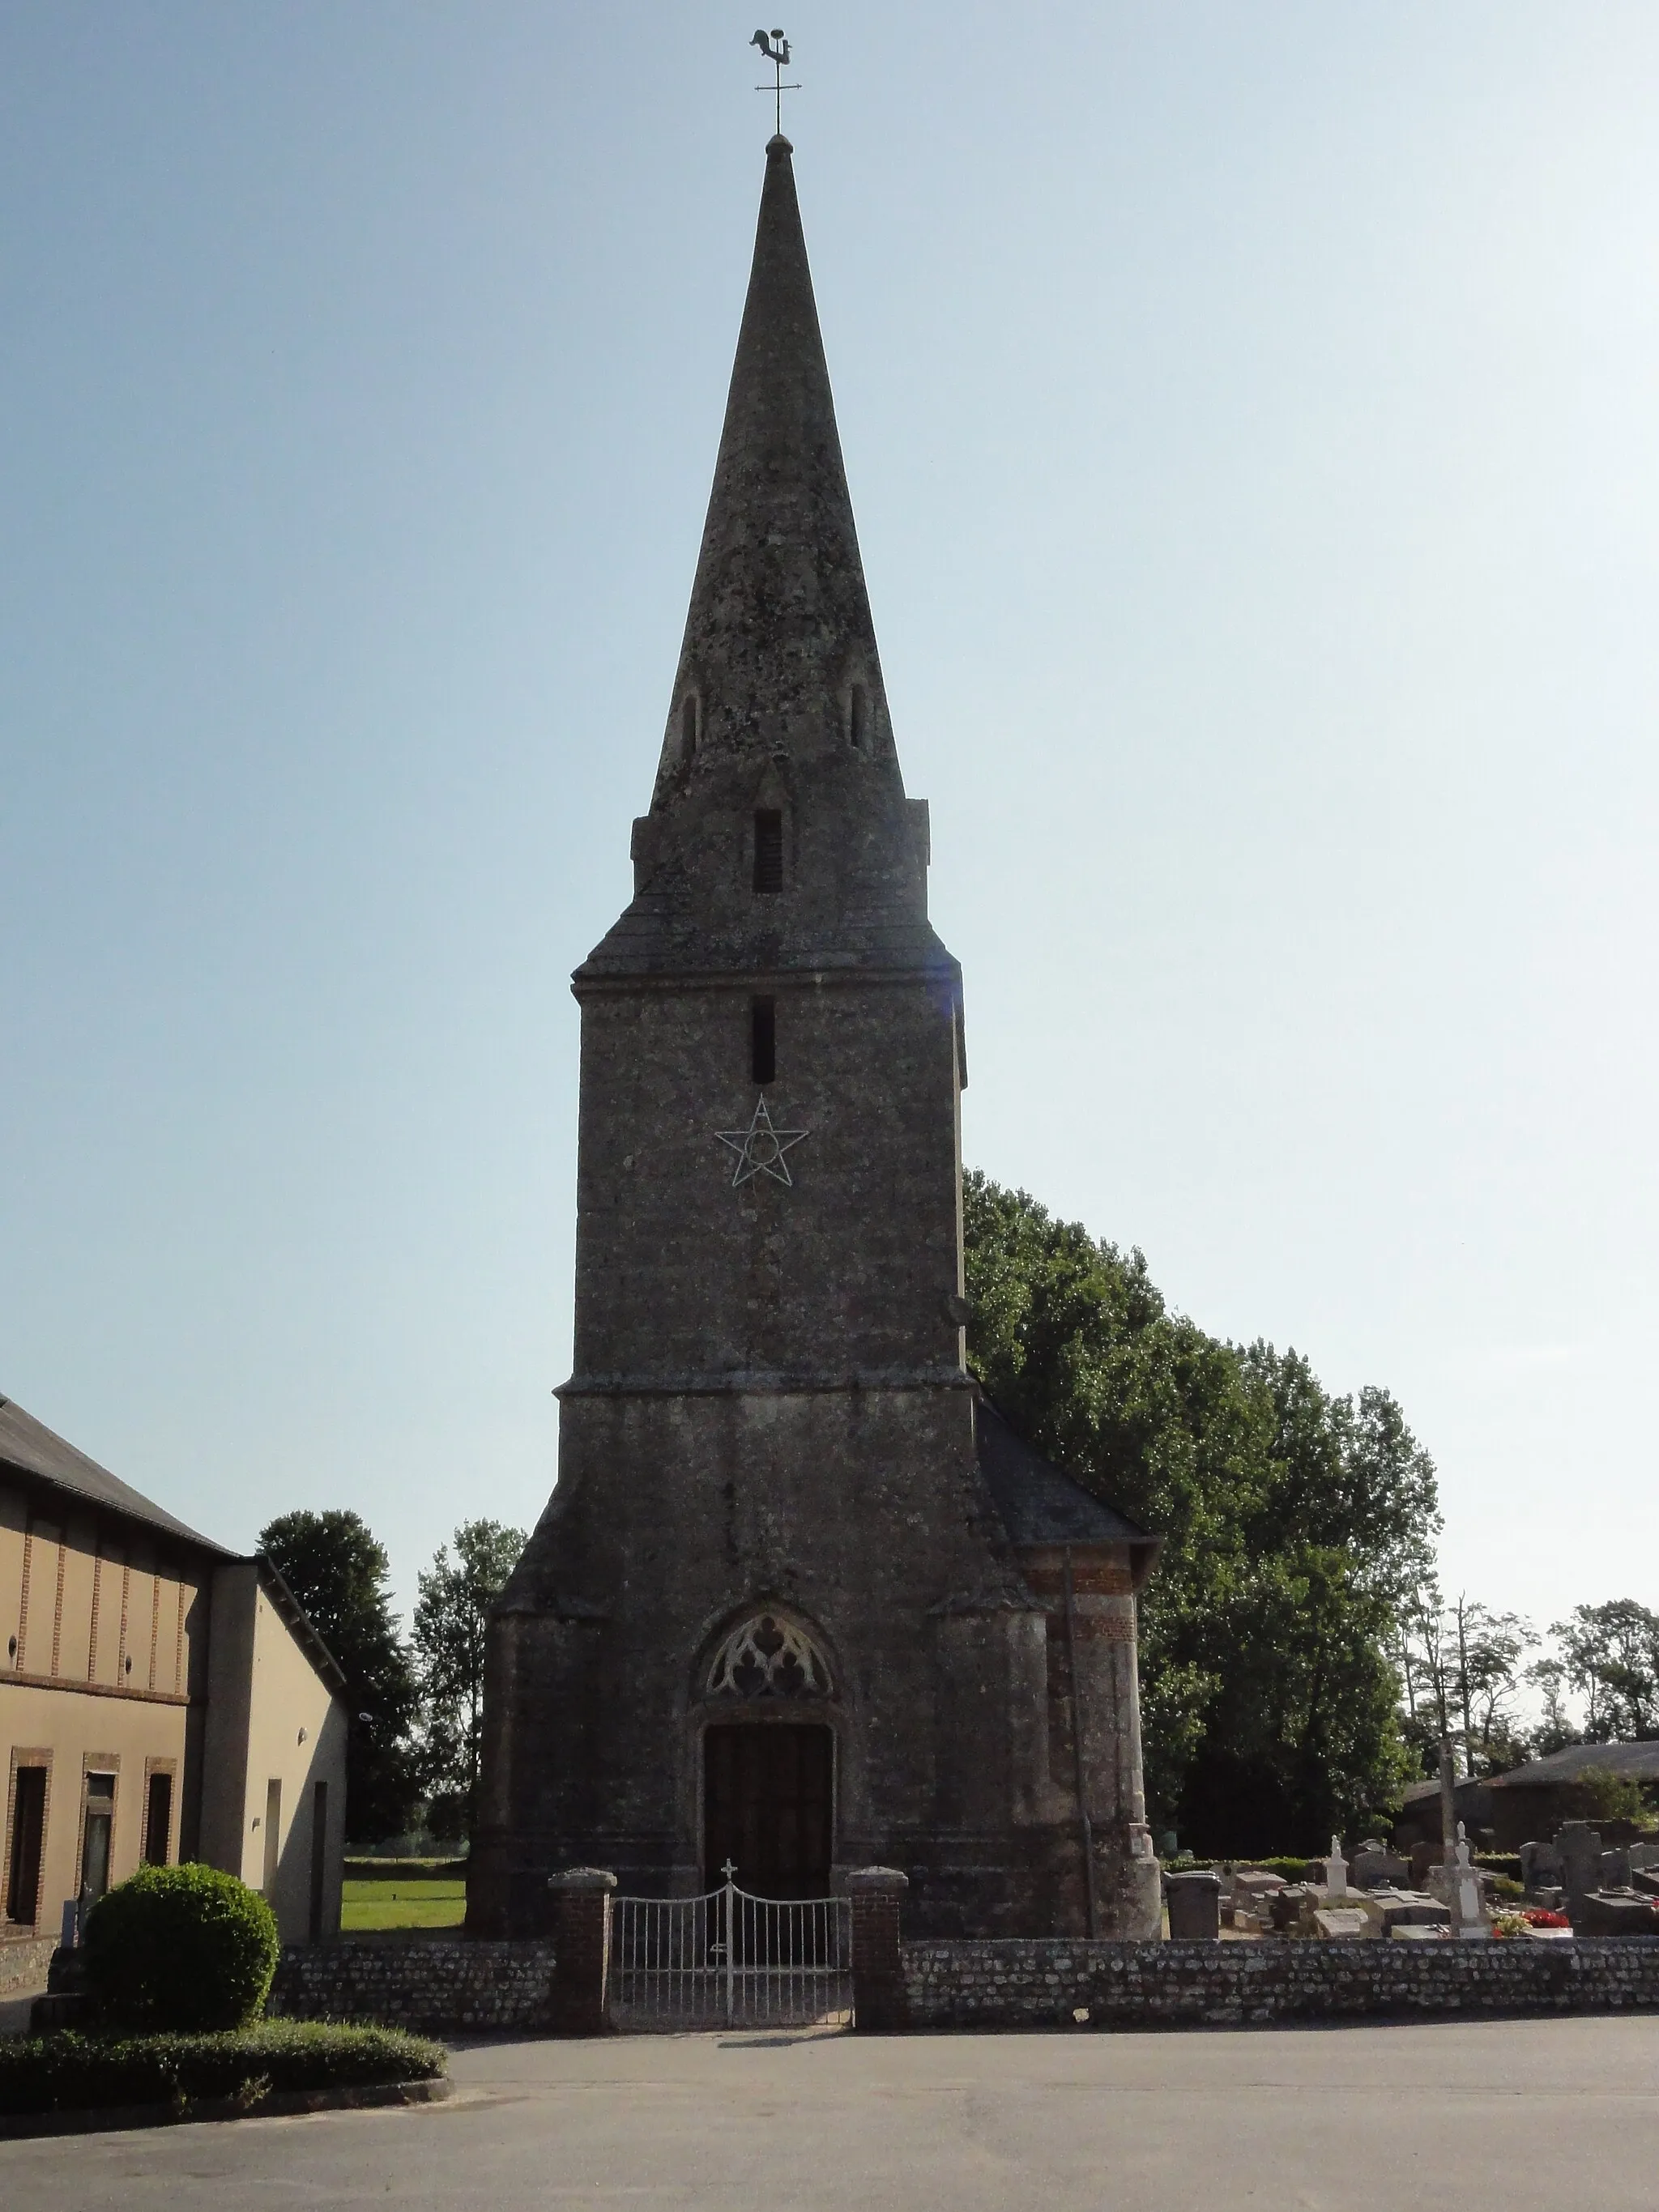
23 1963
1044 1983
435 1988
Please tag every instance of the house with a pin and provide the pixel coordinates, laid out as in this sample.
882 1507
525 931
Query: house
1530 1802
162 1699
1419 1819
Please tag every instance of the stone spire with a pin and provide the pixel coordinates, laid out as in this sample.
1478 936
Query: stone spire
778 705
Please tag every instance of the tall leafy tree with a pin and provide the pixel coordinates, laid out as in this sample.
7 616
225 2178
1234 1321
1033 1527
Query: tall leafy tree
340 1574
452 1616
1610 1654
1462 1665
1295 1523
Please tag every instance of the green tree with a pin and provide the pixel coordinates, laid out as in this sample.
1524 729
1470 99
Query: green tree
1556 1730
1294 1523
340 1574
452 1614
1611 1656
1461 1667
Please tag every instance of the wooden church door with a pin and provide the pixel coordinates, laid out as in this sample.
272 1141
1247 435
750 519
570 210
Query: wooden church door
768 1798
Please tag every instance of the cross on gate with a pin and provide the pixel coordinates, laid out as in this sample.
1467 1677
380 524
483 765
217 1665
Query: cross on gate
728 1869
778 55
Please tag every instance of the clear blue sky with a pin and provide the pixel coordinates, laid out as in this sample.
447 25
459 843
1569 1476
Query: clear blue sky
1251 417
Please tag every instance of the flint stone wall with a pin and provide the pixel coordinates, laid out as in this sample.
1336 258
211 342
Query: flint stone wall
437 1989
1043 1984
24 1961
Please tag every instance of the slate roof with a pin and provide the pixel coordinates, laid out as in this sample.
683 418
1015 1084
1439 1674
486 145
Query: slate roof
1634 1762
32 1448
1039 1502
779 635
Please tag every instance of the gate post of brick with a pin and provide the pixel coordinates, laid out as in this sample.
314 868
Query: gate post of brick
582 1950
880 2004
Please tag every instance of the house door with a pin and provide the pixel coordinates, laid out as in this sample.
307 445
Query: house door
769 1807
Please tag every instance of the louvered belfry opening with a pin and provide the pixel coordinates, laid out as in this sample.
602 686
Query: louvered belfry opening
763 1040
768 849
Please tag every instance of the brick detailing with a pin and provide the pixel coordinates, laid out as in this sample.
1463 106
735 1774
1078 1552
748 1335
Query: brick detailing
58 1604
23 1598
435 1988
581 1942
97 1592
879 1999
1044 1983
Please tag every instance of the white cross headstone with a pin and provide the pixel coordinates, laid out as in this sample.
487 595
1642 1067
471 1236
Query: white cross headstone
1336 1871
1469 1922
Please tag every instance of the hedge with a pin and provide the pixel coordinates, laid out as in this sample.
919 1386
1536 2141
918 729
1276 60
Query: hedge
180 1947
77 2073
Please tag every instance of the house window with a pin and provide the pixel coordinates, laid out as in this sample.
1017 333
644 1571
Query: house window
273 1837
28 1835
763 1040
97 1826
158 1819
318 1857
768 849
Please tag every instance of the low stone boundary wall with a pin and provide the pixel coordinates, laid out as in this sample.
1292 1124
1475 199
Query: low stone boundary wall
24 1961
1044 1983
435 1988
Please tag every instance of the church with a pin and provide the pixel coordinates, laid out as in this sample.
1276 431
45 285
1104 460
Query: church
802 1600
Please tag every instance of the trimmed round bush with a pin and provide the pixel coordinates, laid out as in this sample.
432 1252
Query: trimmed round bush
180 1947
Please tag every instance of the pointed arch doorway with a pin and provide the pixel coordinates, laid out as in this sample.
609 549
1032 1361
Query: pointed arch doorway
768 1806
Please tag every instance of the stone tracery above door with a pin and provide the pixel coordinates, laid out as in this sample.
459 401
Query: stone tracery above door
766 1656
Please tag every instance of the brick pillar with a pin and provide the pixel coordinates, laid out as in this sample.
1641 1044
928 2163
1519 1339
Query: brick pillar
880 2005
582 1950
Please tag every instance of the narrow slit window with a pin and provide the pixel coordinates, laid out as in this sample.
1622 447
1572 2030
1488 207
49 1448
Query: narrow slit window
158 1820
688 726
763 1040
769 849
858 716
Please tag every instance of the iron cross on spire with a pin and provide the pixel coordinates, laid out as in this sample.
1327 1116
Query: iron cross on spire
776 51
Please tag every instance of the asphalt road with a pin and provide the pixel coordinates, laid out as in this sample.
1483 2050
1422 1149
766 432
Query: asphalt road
1522 2116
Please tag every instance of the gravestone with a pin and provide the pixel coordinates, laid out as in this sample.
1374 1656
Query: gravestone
1341 1924
1615 1870
1459 1886
1374 1866
1541 1867
1251 1884
1336 1871
1286 1907
1605 1912
1580 1849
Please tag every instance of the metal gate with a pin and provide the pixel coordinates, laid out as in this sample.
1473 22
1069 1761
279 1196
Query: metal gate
728 1959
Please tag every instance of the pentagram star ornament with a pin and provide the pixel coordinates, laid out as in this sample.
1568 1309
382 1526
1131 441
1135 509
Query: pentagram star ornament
759 1148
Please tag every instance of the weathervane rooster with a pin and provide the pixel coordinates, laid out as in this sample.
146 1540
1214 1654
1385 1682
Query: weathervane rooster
776 51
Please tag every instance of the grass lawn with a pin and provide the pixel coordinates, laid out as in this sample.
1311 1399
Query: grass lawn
415 1903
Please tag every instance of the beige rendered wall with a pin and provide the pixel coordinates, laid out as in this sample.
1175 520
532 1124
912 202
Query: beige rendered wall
271 1718
91 1598
71 1733
97 1633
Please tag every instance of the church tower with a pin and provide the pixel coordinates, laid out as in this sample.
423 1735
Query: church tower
800 1599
